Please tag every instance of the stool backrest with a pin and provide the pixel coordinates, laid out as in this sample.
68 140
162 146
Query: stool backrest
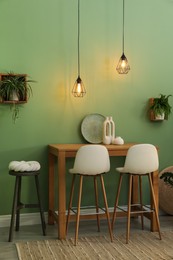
141 159
91 160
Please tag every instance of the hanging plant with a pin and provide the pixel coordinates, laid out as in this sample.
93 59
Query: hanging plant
15 89
160 107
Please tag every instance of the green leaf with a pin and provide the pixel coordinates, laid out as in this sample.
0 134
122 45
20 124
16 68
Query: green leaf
167 178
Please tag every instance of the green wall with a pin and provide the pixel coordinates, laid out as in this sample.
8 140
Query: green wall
39 37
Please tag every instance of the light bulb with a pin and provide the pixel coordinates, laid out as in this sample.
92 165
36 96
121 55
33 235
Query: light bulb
123 66
78 89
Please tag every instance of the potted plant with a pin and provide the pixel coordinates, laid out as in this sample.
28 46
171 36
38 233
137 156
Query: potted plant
160 107
15 89
167 178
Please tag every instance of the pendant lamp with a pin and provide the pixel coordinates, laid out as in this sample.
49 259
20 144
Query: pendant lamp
78 88
123 65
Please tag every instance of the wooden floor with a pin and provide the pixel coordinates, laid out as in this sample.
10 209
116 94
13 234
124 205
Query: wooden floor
26 233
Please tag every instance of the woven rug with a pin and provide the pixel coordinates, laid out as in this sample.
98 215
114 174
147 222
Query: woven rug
144 246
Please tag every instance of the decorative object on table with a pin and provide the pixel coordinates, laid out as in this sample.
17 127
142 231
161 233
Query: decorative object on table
15 89
166 190
107 131
123 65
92 128
160 108
118 140
112 126
78 88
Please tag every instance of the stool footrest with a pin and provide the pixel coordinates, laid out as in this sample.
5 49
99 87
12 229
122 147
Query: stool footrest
137 210
88 210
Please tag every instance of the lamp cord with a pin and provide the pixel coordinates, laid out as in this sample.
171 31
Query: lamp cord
123 27
78 37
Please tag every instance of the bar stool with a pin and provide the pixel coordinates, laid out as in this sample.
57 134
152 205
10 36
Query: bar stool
19 170
141 160
90 161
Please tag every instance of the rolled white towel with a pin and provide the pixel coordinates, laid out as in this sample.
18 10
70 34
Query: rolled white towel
23 166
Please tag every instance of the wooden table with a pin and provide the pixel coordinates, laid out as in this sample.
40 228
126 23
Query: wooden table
60 152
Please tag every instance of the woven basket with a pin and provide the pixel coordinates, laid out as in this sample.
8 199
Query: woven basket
166 193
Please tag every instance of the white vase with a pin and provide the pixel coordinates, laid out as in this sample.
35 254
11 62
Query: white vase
112 129
107 131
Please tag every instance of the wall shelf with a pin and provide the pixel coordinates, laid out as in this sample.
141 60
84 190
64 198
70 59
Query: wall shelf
17 80
12 102
152 115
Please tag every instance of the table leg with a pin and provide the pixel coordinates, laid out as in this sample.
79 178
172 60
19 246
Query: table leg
51 190
61 196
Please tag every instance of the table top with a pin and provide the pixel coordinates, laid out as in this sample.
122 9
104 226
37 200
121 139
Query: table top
70 149
74 147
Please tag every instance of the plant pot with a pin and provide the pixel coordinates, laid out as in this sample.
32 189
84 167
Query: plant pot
14 96
160 117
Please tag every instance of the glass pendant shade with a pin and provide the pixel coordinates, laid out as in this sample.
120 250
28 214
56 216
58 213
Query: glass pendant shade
123 65
78 88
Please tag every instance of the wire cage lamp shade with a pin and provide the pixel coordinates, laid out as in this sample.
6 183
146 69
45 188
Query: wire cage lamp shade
78 88
123 65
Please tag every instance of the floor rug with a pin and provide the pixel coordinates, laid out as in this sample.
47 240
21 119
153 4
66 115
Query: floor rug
144 246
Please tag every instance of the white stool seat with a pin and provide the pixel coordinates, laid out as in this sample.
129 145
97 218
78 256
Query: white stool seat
24 166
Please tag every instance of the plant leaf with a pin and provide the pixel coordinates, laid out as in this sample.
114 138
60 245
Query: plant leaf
167 178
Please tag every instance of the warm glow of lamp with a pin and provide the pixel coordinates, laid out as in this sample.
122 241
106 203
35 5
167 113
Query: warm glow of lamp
123 65
78 88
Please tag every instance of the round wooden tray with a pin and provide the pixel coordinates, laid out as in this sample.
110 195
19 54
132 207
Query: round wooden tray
166 193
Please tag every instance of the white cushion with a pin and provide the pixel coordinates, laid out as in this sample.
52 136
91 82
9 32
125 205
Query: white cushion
23 166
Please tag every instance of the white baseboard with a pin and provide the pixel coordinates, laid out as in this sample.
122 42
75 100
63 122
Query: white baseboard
28 219
25 219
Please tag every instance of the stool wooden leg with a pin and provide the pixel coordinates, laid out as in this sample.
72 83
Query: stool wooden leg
155 206
14 207
129 208
70 202
18 204
116 200
106 207
40 205
96 201
78 208
141 201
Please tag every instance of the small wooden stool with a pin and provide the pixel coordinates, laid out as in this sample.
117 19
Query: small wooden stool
17 205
